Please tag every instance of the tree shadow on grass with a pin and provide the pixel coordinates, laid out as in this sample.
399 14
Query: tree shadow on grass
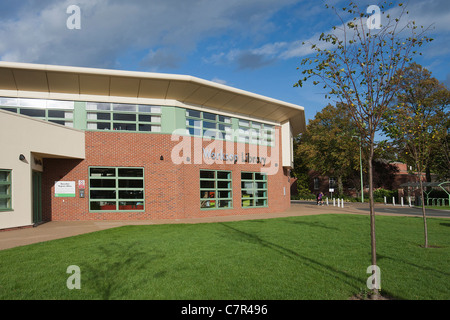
325 269
421 267
311 224
108 272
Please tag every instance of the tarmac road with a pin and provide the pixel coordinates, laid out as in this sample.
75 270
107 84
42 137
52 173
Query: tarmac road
381 208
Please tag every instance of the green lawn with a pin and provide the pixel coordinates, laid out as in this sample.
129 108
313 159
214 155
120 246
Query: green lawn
310 257
438 207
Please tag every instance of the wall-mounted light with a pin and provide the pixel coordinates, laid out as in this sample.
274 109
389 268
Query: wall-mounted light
161 158
21 157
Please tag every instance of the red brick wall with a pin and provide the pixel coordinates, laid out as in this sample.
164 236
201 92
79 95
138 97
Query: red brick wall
172 191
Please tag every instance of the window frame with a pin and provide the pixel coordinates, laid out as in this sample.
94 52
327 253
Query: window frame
316 183
255 132
7 195
116 189
254 189
114 109
66 121
224 135
206 205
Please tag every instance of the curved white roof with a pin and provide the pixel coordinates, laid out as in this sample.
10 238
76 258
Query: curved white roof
76 83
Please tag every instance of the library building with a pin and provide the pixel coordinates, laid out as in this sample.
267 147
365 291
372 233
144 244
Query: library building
96 144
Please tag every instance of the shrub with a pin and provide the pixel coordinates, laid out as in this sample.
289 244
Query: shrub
379 194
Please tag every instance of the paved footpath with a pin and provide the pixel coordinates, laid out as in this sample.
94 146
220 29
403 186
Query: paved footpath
61 229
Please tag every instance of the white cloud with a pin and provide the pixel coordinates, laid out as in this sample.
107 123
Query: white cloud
425 14
217 80
110 29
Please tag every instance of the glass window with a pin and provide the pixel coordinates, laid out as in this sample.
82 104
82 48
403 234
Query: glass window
131 172
215 189
194 123
56 114
209 125
244 123
98 106
316 183
124 107
253 189
194 132
145 118
36 103
61 122
209 116
9 109
40 113
145 127
103 116
60 104
193 113
116 189
224 119
103 126
124 126
9 101
124 117
5 190
103 183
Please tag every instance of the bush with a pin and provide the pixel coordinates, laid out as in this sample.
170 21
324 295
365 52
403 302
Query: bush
379 194
304 196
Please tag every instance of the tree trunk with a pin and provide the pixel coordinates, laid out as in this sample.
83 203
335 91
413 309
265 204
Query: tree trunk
423 210
340 185
372 213
428 174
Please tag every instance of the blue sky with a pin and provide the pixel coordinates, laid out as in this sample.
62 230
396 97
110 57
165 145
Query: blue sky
254 45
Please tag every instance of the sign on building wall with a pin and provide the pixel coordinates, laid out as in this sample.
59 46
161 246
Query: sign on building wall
37 163
64 188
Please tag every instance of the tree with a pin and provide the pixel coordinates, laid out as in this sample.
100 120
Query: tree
440 156
356 65
418 121
328 145
300 170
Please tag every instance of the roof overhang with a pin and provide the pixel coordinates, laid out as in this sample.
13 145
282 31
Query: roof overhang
82 82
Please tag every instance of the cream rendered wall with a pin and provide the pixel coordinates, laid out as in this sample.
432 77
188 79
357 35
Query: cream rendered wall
287 145
34 139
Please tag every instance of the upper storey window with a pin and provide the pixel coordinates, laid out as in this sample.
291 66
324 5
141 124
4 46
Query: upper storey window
123 117
205 124
60 112
255 132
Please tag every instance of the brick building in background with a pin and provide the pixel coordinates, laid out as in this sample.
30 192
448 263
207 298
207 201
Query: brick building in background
387 175
94 144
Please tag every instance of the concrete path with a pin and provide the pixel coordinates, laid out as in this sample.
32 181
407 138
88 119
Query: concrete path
61 229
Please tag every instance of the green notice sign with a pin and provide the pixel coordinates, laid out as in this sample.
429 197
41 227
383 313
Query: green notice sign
65 189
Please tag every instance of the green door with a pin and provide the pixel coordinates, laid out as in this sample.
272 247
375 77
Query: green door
37 197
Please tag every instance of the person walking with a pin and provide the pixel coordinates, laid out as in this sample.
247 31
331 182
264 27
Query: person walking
320 199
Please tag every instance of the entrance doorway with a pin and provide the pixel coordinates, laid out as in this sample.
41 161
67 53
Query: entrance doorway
37 197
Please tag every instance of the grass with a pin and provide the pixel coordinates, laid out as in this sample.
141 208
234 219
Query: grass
310 257
438 207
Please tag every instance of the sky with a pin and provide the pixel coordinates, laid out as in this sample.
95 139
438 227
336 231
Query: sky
254 45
